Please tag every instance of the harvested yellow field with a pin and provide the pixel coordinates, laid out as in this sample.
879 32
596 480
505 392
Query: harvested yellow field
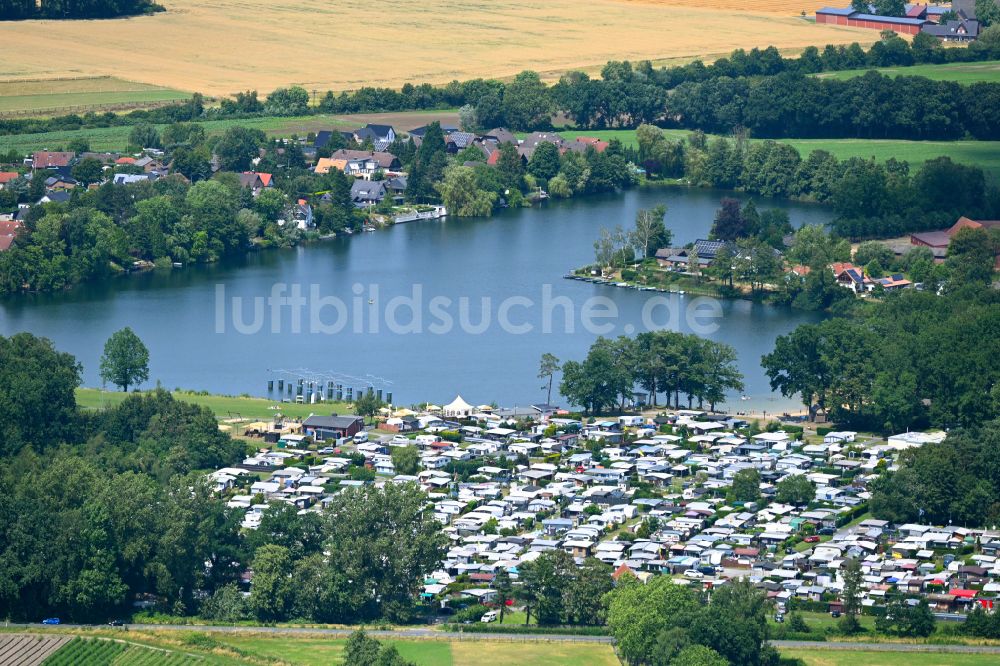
783 7
222 46
41 95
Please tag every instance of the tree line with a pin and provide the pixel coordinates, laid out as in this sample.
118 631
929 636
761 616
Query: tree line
103 508
870 106
666 362
16 10
871 198
627 95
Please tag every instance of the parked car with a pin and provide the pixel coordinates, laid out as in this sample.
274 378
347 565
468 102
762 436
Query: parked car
693 573
326 450
489 616
811 539
50 620
835 613
116 623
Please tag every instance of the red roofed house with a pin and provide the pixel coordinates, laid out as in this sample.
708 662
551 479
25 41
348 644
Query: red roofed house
621 571
851 276
125 160
44 159
6 177
256 181
581 143
939 240
8 231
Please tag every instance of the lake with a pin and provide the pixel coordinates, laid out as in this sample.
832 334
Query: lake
403 308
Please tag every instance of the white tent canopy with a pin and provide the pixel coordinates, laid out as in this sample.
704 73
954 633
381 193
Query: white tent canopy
458 407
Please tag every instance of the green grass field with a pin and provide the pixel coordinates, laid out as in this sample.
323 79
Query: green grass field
985 154
116 138
960 72
225 407
820 657
320 652
820 622
48 96
232 649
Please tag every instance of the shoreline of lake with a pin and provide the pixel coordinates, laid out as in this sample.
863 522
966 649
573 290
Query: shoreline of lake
515 254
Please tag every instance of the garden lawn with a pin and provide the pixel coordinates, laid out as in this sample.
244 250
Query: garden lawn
820 622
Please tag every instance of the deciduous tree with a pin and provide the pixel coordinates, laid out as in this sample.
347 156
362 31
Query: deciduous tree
126 360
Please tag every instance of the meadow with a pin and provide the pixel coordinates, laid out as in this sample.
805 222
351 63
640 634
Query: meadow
317 651
232 649
223 406
959 72
985 154
219 48
51 96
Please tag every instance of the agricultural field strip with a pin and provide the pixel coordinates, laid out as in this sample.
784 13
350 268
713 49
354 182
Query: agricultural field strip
288 42
53 94
28 649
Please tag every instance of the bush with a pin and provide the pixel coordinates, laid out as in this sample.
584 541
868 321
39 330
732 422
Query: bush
849 625
797 624
471 614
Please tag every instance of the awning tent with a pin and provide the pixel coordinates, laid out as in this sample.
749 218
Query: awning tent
458 407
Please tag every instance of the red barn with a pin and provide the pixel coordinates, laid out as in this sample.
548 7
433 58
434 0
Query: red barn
854 19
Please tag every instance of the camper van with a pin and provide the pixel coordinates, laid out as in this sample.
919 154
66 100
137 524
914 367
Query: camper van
361 437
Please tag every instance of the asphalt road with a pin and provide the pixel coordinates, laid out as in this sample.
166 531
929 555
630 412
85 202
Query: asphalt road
425 633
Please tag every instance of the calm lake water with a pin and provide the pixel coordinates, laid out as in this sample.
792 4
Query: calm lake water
186 317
